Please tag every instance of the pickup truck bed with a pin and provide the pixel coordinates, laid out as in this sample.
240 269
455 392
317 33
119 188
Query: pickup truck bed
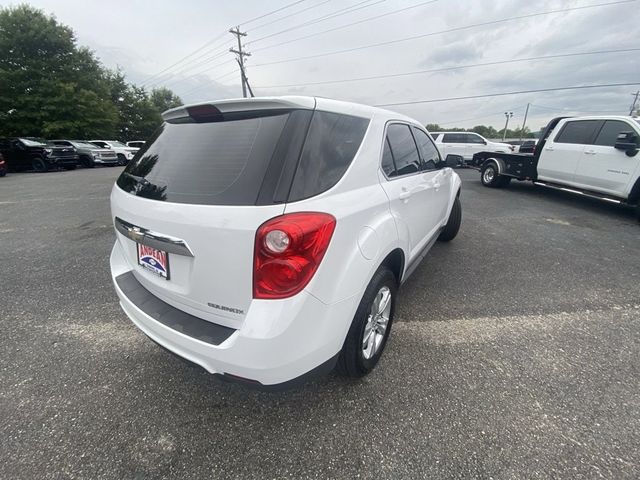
518 165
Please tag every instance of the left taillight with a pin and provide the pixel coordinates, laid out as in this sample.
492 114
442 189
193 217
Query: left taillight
288 251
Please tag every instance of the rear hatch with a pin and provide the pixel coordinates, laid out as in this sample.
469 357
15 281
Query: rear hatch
199 189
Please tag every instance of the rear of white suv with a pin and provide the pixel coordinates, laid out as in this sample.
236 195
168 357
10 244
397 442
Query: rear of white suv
252 232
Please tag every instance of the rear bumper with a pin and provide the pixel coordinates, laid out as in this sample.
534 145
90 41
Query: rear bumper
279 342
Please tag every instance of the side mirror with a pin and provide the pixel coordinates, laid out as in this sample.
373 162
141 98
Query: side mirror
627 142
453 161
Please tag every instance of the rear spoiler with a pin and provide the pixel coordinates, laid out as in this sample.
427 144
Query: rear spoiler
240 105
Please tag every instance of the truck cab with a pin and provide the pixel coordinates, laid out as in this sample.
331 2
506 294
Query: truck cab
581 152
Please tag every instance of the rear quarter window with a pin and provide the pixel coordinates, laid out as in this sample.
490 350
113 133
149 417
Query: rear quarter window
331 144
577 132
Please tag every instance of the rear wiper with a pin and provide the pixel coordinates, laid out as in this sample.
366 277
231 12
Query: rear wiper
140 180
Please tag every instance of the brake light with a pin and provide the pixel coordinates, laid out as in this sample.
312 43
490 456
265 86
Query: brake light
288 251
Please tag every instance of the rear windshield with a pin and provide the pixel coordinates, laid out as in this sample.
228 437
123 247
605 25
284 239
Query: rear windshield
214 163
246 158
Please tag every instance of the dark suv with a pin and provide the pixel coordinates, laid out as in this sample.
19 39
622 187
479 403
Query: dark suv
29 153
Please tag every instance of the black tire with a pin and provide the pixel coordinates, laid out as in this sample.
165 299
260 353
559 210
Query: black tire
39 165
122 160
490 177
352 361
70 167
87 162
453 224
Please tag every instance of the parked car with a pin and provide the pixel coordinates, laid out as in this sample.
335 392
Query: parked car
29 153
90 154
3 166
527 146
265 239
466 144
123 152
136 144
591 156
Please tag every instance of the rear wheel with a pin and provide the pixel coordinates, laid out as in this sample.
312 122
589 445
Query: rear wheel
453 224
490 177
39 165
371 325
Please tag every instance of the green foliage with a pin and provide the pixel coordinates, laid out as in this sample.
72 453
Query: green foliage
51 87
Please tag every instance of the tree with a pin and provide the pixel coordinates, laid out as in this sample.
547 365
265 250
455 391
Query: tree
48 85
163 99
51 87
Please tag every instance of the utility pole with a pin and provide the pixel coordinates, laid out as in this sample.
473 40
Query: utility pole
635 100
244 78
524 124
508 115
240 54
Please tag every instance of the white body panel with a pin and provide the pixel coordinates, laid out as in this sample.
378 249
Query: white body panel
278 340
588 166
473 144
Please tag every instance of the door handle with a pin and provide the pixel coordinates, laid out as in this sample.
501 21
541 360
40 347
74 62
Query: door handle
589 152
549 148
436 185
405 194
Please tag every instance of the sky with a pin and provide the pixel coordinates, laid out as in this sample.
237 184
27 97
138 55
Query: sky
146 38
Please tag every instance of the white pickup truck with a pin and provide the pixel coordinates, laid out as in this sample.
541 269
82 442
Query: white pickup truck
591 156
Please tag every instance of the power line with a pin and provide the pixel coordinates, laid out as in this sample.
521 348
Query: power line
457 29
215 39
456 67
329 16
185 57
168 76
272 12
375 17
200 87
253 29
502 94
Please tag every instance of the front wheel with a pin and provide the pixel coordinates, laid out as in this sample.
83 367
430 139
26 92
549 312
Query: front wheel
39 165
371 325
122 160
453 224
87 162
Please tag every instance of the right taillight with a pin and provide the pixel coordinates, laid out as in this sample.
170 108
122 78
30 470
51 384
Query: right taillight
288 251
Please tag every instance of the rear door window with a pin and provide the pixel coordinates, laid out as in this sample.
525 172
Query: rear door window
610 131
331 144
579 132
212 163
454 138
475 139
428 151
403 148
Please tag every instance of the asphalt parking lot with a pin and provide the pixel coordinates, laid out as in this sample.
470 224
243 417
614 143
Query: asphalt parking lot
515 354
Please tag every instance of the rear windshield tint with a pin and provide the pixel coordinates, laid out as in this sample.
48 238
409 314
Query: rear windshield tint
213 163
332 142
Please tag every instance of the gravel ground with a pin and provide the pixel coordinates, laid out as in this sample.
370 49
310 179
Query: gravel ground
514 355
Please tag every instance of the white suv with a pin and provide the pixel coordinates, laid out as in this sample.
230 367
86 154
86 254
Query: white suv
124 152
264 239
467 144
